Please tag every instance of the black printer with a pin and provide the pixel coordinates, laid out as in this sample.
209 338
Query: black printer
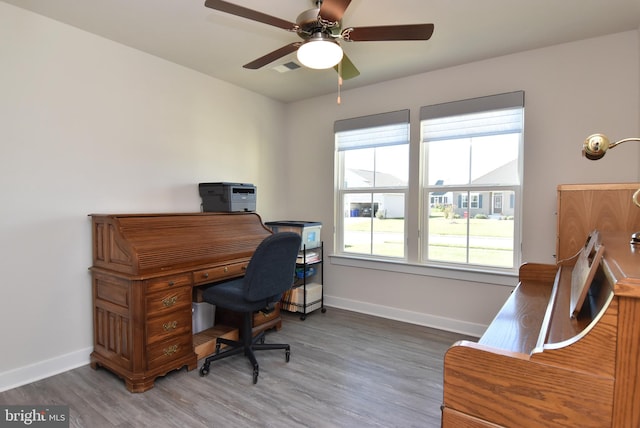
227 197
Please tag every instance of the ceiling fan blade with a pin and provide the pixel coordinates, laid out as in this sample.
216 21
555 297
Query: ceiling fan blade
254 15
272 56
349 71
332 10
389 32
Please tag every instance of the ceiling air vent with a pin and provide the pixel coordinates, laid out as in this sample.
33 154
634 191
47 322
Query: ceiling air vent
287 66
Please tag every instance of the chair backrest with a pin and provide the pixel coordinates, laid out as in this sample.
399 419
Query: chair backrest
272 267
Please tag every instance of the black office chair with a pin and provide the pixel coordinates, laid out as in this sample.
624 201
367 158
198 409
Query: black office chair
269 274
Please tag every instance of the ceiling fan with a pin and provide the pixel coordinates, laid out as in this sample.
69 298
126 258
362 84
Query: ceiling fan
321 28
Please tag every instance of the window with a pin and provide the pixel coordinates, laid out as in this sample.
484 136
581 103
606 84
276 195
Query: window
372 177
467 194
471 161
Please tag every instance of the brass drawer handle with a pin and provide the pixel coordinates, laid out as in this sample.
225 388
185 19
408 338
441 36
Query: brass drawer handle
169 301
170 325
171 283
205 275
171 350
226 269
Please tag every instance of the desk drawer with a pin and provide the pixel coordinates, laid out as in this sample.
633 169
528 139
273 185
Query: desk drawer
260 318
218 273
164 327
169 350
168 282
168 301
261 321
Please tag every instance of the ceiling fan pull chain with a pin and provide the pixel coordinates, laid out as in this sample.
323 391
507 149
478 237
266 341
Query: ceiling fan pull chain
339 81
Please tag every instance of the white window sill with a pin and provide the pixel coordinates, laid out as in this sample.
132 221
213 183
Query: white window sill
485 277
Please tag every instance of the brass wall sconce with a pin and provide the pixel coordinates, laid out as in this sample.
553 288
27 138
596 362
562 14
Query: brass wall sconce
594 148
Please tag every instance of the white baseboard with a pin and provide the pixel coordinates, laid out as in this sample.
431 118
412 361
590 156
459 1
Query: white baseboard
53 366
418 318
43 369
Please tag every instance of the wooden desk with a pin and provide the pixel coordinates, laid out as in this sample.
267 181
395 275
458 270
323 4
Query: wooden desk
146 268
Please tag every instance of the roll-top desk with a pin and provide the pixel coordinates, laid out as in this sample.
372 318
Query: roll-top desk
145 273
536 365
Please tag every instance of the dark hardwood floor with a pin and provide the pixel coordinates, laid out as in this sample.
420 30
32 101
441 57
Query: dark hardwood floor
346 370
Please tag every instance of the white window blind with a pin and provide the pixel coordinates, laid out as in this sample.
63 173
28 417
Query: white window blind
386 129
477 117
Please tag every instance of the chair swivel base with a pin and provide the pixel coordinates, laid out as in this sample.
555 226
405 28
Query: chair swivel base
244 346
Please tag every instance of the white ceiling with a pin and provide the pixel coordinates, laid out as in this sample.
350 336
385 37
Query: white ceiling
218 44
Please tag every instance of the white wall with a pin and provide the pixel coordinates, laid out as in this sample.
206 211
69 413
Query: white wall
86 126
571 91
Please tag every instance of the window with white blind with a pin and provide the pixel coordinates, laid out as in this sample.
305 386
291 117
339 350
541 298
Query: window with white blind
467 194
372 179
472 182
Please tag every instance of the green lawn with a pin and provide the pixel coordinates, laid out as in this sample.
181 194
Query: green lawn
483 251
437 226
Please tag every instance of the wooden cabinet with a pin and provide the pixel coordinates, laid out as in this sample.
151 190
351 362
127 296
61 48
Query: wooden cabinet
142 328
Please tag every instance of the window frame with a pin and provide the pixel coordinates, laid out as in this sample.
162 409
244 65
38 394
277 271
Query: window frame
400 117
512 100
418 200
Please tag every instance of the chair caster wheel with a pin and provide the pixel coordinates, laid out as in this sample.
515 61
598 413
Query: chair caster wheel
287 355
323 310
204 371
303 317
255 376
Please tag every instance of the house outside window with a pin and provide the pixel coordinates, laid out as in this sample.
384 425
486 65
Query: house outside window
372 177
472 151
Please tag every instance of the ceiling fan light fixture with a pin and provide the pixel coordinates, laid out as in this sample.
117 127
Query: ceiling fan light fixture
319 52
